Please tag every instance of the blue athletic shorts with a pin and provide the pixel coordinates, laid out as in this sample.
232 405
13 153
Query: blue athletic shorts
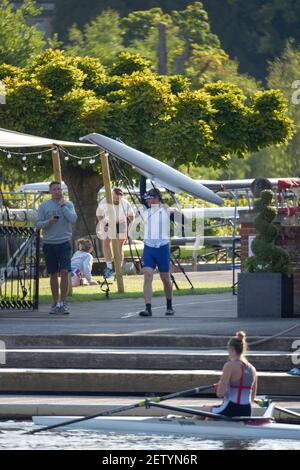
157 257
57 257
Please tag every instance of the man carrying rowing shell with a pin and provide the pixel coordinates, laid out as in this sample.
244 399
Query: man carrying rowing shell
238 384
157 251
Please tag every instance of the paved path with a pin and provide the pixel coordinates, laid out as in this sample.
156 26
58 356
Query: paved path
195 315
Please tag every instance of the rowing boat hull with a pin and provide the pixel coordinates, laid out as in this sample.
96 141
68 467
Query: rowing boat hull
153 169
188 427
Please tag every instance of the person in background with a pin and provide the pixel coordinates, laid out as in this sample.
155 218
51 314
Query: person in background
238 384
56 217
124 219
157 251
82 264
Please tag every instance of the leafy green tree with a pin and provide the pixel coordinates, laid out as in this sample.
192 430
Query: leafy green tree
101 38
217 122
184 30
127 64
282 161
67 97
138 24
143 36
283 73
254 32
18 39
178 42
194 29
69 12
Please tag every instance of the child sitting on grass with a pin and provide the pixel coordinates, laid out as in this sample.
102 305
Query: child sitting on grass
82 263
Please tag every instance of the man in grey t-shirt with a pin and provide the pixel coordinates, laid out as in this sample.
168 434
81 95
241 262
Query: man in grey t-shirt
55 218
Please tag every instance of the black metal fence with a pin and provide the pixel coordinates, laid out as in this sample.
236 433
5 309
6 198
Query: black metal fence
19 268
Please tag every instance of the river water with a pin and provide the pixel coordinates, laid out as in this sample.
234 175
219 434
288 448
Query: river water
12 437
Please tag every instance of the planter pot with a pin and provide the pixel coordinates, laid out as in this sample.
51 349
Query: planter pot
265 295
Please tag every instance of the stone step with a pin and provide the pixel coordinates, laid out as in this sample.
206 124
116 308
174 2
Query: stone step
132 358
25 406
130 381
141 341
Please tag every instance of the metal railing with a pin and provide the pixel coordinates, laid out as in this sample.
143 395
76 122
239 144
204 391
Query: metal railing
19 267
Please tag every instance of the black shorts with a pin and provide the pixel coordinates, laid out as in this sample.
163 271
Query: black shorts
233 410
57 257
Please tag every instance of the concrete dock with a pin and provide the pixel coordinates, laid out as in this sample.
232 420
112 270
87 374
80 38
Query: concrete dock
104 348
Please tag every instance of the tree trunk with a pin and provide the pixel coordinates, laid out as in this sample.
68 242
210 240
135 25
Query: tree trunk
83 185
180 61
162 54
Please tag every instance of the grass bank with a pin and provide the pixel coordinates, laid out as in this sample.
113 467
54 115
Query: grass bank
133 289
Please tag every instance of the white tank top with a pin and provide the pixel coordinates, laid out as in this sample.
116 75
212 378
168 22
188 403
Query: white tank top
239 391
156 226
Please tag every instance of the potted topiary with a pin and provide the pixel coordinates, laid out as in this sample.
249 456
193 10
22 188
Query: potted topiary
265 288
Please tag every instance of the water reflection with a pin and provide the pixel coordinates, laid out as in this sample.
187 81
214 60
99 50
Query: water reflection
12 437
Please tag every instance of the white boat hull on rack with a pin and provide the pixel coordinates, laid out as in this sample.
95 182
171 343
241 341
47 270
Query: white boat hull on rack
183 426
153 169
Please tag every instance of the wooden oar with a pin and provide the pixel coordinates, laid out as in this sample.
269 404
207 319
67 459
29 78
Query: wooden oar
142 403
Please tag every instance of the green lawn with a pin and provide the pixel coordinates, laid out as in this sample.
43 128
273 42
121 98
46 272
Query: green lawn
133 289
186 252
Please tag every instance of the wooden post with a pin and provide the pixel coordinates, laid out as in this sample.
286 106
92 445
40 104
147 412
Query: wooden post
56 165
112 221
57 176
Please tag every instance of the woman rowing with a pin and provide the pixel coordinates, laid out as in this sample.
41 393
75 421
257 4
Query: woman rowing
238 383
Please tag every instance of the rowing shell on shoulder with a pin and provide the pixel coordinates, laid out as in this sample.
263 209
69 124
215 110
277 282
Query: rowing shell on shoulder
153 169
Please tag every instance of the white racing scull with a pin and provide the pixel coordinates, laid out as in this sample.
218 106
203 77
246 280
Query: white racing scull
255 429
